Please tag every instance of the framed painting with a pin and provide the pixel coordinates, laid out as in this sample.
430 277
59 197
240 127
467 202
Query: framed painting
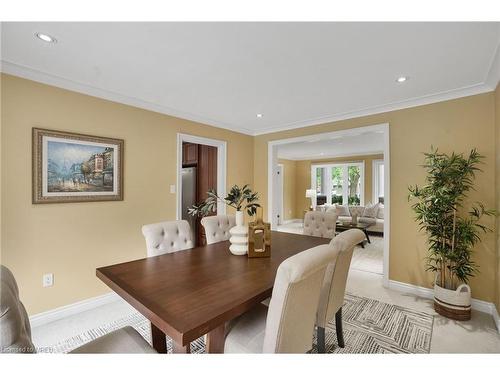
69 167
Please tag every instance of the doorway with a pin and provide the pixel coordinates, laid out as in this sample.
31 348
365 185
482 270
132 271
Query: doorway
280 191
201 166
328 187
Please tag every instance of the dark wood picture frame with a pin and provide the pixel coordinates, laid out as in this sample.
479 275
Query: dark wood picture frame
41 196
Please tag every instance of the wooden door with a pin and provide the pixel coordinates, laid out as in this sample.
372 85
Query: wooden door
206 179
189 154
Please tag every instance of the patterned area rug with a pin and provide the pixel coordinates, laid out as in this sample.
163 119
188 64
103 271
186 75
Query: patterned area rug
370 326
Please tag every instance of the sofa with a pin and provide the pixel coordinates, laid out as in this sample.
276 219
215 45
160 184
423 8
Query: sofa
369 214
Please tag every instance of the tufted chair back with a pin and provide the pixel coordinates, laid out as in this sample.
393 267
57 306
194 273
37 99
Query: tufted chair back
320 224
294 302
15 330
167 237
333 289
217 227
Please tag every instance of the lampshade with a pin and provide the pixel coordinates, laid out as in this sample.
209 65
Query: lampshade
310 193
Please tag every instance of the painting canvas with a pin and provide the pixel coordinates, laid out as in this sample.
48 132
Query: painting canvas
72 167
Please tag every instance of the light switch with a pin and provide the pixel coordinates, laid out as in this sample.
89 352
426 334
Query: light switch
172 189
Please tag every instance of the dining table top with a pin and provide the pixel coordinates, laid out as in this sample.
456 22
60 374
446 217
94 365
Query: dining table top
188 293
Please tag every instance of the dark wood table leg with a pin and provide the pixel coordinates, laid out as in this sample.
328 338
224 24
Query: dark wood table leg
215 340
367 237
159 339
179 349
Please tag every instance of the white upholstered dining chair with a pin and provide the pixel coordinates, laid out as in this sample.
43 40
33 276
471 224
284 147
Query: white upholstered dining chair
15 330
288 325
334 284
167 237
320 224
217 227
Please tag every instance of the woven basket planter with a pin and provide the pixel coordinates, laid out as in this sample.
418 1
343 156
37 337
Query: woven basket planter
453 304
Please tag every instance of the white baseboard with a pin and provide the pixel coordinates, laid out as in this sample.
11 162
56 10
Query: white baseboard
496 318
483 306
72 309
91 303
290 221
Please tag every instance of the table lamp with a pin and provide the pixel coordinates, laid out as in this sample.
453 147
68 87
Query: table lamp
311 193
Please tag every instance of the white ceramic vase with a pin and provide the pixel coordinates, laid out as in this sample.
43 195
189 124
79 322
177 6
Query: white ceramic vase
239 236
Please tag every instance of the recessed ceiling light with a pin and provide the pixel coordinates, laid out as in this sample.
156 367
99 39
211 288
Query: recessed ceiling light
46 38
402 79
260 115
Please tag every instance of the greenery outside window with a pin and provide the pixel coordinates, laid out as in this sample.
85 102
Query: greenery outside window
340 183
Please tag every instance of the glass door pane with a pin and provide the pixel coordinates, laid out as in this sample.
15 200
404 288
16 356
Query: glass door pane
381 183
337 185
319 180
354 190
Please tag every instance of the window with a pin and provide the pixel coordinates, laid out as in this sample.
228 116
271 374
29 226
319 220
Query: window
354 185
378 181
319 181
339 183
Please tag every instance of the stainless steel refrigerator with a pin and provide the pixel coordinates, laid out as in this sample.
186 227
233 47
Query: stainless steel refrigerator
189 196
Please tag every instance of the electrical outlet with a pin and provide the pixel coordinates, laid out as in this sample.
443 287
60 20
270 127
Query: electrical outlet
172 189
48 280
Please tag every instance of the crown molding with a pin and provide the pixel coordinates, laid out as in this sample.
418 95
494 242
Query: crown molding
493 76
67 84
489 84
327 157
477 89
491 80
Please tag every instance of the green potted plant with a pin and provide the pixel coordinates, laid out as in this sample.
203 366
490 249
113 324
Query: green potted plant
452 229
240 199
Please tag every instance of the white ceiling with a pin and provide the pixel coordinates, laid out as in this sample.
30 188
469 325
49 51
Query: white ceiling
366 143
223 74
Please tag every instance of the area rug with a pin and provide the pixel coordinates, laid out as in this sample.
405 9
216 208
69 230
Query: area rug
370 326
370 258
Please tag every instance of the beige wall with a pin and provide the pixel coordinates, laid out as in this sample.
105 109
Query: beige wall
1 158
497 137
72 239
304 182
289 188
456 125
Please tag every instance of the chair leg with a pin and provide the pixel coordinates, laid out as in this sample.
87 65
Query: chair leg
338 328
321 340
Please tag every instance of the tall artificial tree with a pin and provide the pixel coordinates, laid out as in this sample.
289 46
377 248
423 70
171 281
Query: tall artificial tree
452 229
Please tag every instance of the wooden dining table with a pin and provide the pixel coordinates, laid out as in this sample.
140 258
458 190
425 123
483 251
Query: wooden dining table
190 293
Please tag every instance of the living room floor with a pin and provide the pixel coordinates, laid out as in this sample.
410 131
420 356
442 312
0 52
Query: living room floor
479 335
369 258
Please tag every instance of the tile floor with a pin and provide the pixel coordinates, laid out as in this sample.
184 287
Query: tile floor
369 258
478 335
